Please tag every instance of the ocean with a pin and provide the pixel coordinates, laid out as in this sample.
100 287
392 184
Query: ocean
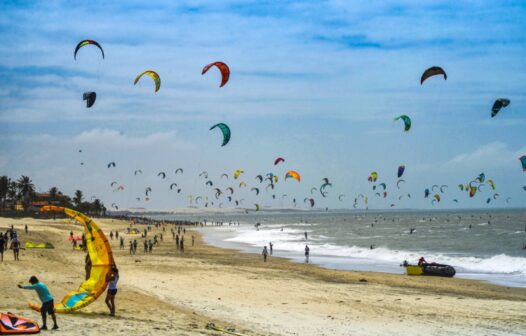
479 244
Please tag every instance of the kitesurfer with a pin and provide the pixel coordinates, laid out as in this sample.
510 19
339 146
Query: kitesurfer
87 266
2 244
422 262
15 246
47 301
307 251
265 253
271 247
112 278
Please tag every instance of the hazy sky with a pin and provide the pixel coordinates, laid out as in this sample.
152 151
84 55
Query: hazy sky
316 82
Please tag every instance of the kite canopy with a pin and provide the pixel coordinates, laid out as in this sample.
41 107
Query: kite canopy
111 164
225 71
226 132
100 254
278 160
523 162
90 98
238 172
401 170
86 42
373 177
407 121
433 71
12 324
153 76
293 174
499 103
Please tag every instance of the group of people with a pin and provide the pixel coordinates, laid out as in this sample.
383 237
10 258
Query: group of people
10 240
266 252
48 304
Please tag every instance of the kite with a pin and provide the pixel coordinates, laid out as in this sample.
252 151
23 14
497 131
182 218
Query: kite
437 197
162 174
499 103
481 177
278 160
100 254
209 183
257 206
461 187
90 98
113 183
426 193
442 188
260 178
313 190
179 170
225 175
373 177
147 190
242 184
341 197
173 185
383 185
205 173
407 122
433 71
523 162
293 174
86 42
218 192
226 132
256 190
271 187
111 164
225 71
401 170
137 172
398 183
237 173
311 201
492 184
472 191
153 75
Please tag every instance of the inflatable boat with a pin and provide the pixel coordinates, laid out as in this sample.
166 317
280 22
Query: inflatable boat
431 269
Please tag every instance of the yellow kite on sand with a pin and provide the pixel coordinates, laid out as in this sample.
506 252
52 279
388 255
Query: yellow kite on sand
99 251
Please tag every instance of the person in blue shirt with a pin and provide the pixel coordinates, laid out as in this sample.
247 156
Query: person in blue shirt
47 301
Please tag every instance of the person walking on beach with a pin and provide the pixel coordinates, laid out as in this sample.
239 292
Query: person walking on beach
271 247
111 235
26 229
2 245
150 246
307 252
265 253
193 240
121 245
177 242
134 246
181 244
112 277
47 301
15 246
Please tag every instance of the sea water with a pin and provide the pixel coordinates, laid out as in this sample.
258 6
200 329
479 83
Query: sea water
479 244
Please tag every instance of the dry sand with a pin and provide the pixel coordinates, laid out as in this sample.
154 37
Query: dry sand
170 293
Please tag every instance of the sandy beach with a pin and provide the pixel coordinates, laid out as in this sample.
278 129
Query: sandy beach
171 293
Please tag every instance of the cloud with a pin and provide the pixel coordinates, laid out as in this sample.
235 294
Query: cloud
495 155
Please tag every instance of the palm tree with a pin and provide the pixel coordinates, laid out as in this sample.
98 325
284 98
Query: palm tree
53 192
97 206
4 187
78 198
26 190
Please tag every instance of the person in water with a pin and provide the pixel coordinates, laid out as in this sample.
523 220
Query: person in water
422 262
307 253
112 277
47 301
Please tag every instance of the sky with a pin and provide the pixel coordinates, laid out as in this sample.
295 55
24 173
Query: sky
315 82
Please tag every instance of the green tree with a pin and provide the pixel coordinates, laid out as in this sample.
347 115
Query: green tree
26 190
77 200
4 187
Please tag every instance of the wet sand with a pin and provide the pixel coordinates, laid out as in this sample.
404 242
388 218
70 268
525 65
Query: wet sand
171 293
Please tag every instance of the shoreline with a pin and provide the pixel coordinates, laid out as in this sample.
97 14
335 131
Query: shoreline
179 293
219 236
